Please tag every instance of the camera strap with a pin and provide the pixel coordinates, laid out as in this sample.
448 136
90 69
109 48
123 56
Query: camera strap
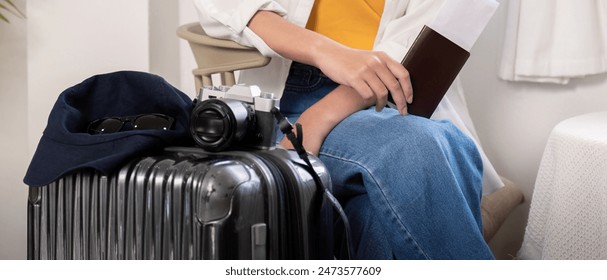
297 141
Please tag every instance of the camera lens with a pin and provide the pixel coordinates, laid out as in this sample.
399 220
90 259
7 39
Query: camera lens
216 124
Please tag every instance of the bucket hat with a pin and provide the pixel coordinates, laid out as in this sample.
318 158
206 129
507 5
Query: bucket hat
66 146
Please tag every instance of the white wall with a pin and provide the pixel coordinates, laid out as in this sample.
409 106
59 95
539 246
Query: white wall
164 45
187 14
514 120
61 43
170 56
71 40
13 138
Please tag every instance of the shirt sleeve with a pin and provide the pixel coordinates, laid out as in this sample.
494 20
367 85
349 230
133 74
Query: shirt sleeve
228 19
400 32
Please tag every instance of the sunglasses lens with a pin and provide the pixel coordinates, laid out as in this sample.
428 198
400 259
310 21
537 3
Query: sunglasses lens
153 122
117 124
109 125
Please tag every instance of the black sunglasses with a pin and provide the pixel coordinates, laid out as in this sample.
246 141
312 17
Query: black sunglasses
139 122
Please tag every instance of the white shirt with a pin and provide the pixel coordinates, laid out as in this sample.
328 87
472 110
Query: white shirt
400 24
228 19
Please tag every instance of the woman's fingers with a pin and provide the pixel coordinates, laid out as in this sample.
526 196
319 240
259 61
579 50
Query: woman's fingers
392 84
373 74
380 91
390 78
403 94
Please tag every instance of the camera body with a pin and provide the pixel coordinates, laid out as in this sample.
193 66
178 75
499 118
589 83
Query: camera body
239 116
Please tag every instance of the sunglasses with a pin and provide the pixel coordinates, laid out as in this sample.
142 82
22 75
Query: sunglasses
139 122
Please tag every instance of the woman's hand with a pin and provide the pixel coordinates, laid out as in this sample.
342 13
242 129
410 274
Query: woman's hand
372 74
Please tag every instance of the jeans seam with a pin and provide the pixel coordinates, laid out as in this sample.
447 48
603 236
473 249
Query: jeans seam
416 244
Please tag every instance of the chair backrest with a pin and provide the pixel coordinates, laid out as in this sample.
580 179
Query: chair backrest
217 56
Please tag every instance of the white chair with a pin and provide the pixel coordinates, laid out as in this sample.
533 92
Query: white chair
216 56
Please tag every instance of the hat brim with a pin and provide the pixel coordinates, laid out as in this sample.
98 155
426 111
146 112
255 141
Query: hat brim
105 157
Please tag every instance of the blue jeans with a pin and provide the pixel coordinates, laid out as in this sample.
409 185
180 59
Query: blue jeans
410 186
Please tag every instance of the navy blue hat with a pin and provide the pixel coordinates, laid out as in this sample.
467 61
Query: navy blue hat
66 146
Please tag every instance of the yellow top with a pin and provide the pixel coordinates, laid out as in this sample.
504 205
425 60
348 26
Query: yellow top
353 23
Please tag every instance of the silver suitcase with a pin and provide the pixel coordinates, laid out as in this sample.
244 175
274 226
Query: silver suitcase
185 204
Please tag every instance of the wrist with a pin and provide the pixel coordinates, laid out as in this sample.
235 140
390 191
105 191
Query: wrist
318 120
322 49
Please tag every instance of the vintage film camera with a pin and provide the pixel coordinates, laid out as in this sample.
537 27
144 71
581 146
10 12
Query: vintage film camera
234 117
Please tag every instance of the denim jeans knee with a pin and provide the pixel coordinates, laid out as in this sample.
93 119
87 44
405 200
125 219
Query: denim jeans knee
423 179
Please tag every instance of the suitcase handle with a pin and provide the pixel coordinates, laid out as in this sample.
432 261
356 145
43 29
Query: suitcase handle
287 128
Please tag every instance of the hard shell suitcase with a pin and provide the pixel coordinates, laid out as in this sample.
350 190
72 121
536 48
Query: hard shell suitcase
185 204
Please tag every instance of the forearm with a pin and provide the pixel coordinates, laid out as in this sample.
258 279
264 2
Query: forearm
289 40
318 120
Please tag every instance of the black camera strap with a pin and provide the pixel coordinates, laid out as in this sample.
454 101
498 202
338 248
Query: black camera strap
297 141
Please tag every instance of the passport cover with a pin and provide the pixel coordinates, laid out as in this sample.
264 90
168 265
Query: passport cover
433 62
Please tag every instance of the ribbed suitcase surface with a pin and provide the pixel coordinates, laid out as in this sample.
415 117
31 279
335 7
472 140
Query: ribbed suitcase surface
185 204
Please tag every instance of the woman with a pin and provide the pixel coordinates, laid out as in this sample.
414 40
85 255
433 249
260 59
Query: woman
411 186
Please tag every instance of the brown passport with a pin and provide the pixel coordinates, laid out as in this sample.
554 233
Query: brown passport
433 62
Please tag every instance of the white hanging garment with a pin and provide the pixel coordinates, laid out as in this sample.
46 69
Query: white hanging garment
554 40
